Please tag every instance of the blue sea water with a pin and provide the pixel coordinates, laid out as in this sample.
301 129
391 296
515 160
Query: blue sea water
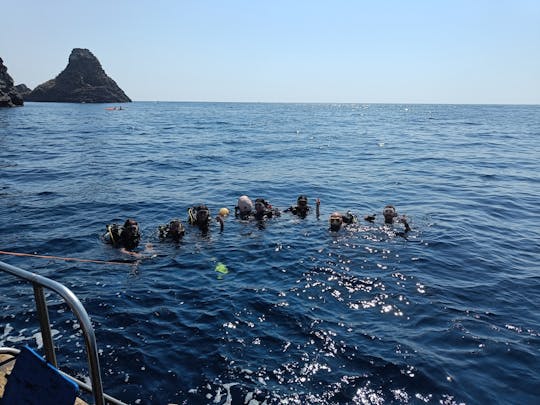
448 314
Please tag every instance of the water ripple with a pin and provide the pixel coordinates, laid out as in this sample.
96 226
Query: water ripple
372 315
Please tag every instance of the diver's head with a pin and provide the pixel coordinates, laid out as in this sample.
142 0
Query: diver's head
335 220
302 206
260 205
389 213
130 234
131 226
203 215
176 230
244 205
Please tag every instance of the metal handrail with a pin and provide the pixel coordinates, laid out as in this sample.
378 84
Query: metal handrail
39 282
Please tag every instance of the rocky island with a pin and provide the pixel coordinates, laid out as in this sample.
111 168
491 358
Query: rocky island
9 96
23 90
82 81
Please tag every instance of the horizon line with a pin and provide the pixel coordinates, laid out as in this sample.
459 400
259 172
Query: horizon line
316 102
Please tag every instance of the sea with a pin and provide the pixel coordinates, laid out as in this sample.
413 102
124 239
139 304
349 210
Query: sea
282 311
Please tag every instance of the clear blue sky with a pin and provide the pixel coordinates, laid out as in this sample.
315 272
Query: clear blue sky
397 51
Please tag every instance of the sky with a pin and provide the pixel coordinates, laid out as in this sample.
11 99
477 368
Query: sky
335 51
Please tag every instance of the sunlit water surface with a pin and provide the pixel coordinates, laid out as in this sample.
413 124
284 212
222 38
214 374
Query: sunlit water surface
448 314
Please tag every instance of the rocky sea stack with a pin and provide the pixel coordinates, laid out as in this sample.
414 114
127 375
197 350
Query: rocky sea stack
23 90
9 96
82 81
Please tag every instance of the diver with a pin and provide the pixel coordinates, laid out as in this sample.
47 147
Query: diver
302 208
244 207
127 236
264 210
174 231
337 220
391 217
200 217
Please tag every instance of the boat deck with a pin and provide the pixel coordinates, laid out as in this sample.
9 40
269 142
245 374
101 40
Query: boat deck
5 371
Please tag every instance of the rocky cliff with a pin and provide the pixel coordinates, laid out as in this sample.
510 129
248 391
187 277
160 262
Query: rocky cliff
82 81
23 90
9 97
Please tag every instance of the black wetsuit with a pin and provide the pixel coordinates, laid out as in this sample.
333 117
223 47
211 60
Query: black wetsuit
122 237
199 216
299 210
174 230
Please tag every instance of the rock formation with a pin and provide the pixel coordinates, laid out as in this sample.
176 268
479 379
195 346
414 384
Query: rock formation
82 81
9 97
23 90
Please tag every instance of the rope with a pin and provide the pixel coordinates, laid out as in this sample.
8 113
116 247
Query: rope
74 259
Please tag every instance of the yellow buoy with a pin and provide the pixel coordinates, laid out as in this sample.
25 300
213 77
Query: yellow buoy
223 212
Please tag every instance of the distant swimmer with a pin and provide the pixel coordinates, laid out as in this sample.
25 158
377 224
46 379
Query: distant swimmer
264 210
174 231
337 220
200 216
302 208
391 217
244 207
127 236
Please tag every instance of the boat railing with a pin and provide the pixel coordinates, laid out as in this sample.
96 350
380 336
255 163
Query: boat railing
40 283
